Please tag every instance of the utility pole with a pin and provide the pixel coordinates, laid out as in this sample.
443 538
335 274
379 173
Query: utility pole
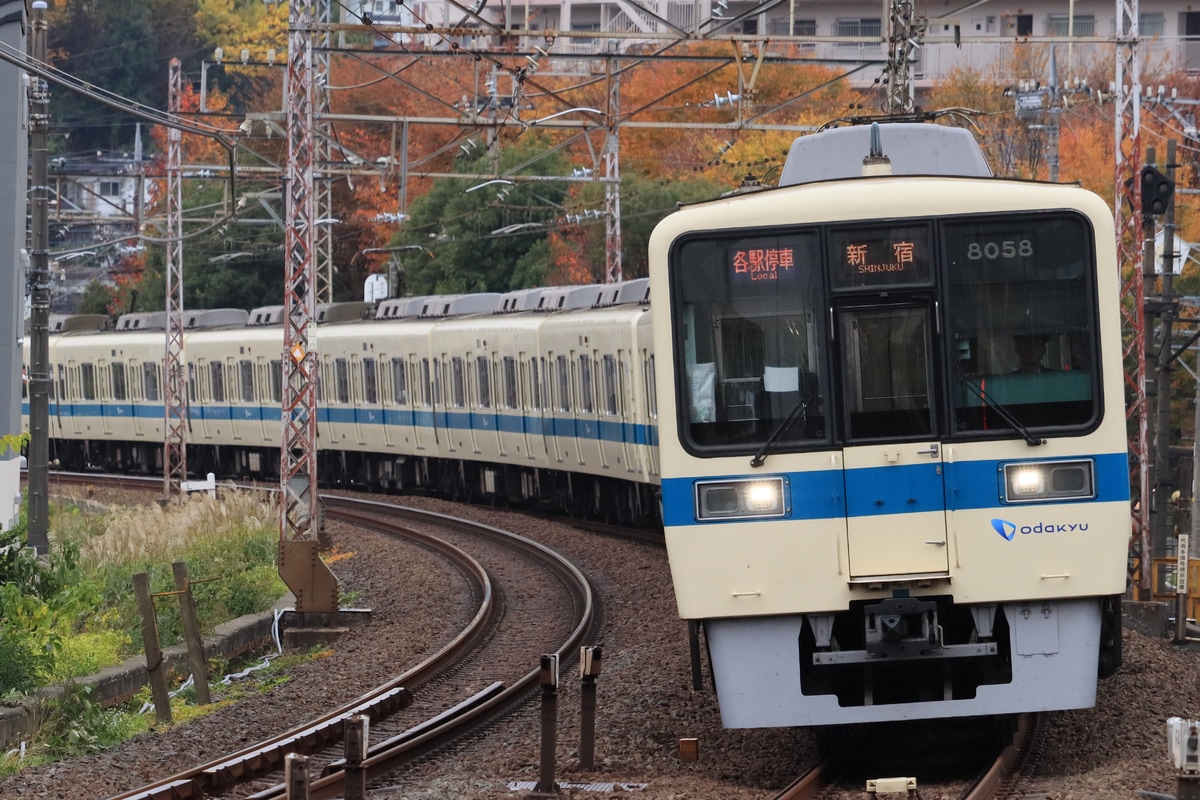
175 399
309 578
612 186
1158 197
39 280
1126 202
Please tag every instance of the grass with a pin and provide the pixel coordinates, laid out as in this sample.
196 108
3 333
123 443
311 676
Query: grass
75 613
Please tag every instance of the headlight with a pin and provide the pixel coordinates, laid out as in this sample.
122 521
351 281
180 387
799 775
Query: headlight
1049 480
754 497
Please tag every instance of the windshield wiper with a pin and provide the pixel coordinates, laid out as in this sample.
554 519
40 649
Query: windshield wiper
780 431
1004 414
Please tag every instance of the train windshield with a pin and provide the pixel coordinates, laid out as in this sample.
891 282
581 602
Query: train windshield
1021 318
966 327
750 326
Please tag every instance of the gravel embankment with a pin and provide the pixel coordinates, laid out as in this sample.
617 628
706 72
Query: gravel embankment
645 703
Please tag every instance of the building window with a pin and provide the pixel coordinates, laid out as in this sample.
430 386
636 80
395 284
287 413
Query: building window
110 188
863 26
1059 25
1151 25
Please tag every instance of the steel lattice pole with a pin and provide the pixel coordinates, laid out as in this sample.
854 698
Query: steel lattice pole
1129 257
612 186
321 158
304 573
175 400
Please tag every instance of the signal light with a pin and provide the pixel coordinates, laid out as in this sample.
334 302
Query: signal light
1157 191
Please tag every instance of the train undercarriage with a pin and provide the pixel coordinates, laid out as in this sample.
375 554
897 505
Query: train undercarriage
574 494
928 655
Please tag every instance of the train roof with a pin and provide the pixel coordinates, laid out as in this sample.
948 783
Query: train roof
205 319
913 149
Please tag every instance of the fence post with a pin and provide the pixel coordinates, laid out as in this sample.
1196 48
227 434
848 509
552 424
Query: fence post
191 631
549 679
154 654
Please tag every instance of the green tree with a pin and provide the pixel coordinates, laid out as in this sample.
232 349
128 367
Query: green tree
470 225
644 203
122 46
96 299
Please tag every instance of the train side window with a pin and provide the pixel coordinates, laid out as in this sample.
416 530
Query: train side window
341 371
24 381
87 381
458 387
120 390
370 381
246 367
483 371
277 381
563 384
150 382
400 381
191 383
535 386
508 374
608 381
587 389
426 384
217 381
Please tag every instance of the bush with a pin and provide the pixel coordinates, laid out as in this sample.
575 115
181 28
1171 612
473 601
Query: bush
21 666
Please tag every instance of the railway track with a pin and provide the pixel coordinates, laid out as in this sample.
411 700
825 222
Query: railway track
1006 775
489 668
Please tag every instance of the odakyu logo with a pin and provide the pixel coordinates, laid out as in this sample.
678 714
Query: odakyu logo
1009 530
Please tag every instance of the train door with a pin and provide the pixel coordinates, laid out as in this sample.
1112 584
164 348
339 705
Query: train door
650 389
562 424
104 395
895 500
244 414
362 412
424 424
137 398
533 406
626 411
587 444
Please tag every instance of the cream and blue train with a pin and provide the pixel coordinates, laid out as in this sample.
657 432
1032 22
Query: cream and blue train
885 425
537 395
894 473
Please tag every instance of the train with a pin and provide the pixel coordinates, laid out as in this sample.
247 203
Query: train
895 479
877 410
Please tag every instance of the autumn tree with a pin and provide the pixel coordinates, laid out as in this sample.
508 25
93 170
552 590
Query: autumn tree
122 46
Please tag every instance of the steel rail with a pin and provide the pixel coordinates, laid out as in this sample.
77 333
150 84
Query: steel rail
382 701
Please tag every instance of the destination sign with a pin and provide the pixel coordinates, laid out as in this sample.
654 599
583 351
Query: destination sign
769 264
880 257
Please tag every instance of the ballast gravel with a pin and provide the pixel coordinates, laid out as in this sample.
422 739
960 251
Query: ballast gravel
645 703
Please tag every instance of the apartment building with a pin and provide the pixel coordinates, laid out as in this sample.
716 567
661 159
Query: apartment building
959 33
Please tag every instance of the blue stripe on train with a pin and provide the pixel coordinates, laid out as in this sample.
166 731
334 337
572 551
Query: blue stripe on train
823 494
457 419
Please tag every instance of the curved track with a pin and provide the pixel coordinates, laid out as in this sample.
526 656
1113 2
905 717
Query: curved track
441 696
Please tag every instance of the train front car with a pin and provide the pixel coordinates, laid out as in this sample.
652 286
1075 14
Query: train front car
894 474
